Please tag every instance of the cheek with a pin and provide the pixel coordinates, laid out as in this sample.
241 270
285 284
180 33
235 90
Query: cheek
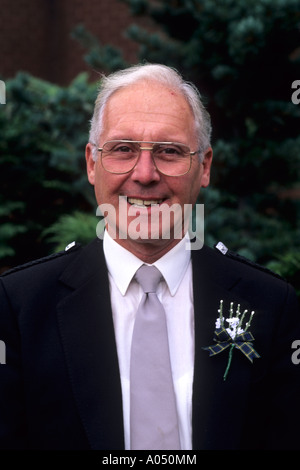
193 186
101 185
107 186
185 191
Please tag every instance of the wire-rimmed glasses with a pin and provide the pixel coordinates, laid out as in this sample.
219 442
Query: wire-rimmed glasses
170 158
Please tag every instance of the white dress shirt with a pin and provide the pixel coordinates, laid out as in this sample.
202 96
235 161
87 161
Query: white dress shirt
176 295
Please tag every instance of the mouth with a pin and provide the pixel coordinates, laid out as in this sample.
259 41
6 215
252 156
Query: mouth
133 201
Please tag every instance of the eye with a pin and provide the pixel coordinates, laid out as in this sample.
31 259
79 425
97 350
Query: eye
122 148
169 150
172 150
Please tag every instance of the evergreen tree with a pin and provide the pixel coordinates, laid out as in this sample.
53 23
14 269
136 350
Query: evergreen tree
44 130
244 57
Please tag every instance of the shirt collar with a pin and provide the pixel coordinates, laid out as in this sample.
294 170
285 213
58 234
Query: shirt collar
122 264
174 263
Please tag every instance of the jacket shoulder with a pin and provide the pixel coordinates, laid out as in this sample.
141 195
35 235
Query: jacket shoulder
222 249
70 248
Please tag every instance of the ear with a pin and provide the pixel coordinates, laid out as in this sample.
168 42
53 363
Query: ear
207 161
90 163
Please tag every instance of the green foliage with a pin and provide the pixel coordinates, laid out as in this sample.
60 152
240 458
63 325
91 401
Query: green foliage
99 56
9 229
44 130
79 227
243 56
288 266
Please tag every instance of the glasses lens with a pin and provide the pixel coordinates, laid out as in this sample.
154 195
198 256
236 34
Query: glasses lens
119 157
172 159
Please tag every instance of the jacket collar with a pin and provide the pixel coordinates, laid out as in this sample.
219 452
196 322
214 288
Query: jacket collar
91 355
214 280
87 333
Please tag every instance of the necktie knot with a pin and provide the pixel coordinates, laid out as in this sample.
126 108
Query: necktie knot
148 277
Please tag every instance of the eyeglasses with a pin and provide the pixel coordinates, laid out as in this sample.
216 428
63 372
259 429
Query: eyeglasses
170 158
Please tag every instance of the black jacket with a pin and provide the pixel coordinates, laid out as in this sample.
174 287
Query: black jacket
60 387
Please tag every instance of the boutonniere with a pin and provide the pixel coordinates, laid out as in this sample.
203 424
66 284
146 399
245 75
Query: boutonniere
233 334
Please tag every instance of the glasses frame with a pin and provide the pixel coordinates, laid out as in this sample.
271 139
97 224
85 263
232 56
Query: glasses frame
100 149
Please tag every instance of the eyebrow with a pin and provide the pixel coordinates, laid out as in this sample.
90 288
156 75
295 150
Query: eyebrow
119 138
137 140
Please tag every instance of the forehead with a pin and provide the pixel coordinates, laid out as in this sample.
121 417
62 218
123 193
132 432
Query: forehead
148 105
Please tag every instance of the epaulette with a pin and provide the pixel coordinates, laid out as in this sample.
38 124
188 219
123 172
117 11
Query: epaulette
69 248
231 254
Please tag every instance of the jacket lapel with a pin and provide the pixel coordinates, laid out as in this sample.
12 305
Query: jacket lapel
87 334
217 404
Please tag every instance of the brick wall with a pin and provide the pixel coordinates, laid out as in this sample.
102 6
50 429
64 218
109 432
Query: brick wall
35 35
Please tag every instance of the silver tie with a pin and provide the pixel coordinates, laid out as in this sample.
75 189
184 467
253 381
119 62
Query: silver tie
153 414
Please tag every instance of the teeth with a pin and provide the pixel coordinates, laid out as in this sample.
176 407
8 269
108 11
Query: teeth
142 202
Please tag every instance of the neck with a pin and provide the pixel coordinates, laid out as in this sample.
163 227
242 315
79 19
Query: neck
148 252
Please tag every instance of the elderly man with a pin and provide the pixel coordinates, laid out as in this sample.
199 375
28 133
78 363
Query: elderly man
140 341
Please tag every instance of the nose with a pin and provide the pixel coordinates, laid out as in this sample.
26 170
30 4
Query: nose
145 171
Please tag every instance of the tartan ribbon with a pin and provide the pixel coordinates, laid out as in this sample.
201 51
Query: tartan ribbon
242 341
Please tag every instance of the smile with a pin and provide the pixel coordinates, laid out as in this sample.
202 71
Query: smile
143 202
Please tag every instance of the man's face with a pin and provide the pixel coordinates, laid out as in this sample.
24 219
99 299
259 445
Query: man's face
147 111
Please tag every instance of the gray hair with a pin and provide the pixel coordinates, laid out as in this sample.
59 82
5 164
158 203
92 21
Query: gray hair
150 72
